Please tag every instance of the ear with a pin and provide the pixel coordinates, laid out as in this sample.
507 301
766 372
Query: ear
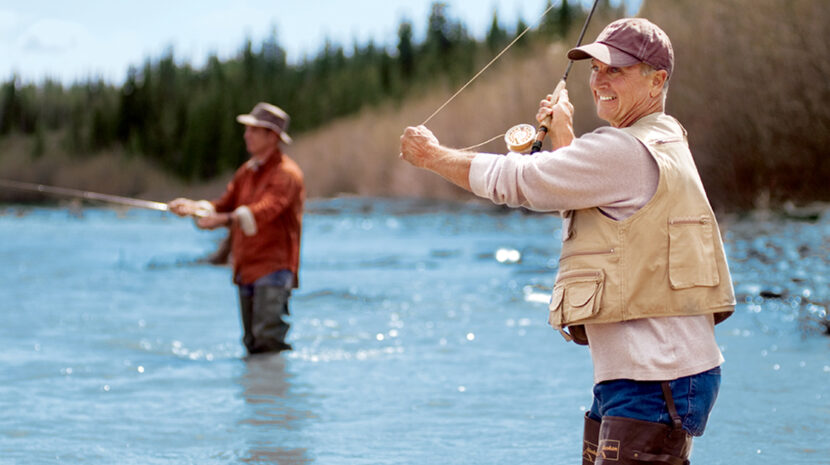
658 80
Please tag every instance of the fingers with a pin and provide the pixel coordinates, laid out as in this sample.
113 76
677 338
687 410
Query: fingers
417 144
547 105
407 143
181 206
543 114
545 109
564 107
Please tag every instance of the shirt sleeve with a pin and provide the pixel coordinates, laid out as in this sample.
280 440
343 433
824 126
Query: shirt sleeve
227 202
607 168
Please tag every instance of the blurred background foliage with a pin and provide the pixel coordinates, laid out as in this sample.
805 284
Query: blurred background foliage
749 84
182 118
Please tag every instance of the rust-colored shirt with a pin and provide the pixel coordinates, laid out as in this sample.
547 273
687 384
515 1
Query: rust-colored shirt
274 192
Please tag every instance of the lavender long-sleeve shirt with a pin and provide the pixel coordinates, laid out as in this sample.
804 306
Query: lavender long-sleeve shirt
611 170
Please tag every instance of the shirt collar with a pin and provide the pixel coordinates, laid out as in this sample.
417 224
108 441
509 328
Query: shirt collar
254 164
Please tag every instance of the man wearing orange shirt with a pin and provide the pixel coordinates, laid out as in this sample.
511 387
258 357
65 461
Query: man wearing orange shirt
263 207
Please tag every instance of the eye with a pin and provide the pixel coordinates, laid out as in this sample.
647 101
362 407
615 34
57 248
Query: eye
614 69
594 68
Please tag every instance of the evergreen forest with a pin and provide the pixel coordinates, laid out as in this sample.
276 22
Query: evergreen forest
182 118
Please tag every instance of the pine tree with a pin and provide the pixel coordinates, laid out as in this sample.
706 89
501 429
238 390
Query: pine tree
496 36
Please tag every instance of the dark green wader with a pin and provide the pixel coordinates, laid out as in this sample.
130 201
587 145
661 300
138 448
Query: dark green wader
262 319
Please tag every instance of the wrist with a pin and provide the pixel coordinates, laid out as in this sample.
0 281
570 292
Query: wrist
562 138
438 157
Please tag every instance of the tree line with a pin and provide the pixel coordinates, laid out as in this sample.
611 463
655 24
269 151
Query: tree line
183 118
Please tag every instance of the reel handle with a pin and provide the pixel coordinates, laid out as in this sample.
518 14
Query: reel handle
544 126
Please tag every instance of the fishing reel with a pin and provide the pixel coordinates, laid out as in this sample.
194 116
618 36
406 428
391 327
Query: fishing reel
520 137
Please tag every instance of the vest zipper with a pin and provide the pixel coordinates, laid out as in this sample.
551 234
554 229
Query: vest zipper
580 274
587 252
690 220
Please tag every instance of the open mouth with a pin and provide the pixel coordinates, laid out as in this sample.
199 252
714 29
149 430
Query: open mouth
606 98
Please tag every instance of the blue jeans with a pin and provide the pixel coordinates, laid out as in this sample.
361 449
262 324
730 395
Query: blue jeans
693 397
280 278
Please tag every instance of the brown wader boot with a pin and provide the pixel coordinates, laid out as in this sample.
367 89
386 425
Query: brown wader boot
262 319
590 439
626 441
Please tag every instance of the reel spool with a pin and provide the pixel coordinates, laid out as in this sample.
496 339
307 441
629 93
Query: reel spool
520 137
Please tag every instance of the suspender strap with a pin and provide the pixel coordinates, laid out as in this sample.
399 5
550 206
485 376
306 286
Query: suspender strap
675 418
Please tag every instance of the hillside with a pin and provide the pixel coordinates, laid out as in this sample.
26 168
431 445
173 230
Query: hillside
749 85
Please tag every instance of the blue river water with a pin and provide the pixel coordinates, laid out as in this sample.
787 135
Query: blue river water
419 336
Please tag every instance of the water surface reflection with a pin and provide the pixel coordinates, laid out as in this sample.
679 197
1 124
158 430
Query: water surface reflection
272 411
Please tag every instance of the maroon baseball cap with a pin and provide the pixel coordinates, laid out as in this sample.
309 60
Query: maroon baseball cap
629 41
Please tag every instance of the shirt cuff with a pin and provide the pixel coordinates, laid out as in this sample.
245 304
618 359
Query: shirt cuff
205 206
246 219
479 168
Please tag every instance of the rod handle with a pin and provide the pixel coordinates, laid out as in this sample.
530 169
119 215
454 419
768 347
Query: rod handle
544 126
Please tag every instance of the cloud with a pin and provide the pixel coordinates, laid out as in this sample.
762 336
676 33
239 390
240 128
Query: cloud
54 36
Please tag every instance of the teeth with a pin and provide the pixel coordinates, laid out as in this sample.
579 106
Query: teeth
605 99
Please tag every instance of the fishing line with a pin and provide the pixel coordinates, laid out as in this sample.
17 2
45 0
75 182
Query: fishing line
520 137
482 143
487 66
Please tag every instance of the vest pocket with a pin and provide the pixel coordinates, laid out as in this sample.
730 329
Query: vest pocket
692 252
576 296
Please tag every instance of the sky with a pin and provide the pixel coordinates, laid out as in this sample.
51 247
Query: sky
72 41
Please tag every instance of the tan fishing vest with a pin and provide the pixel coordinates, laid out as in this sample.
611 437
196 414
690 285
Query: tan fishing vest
665 260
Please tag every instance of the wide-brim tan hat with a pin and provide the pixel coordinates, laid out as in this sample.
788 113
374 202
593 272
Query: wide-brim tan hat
265 115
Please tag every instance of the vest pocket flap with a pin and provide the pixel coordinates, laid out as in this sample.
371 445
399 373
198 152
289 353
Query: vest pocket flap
581 293
556 297
555 307
577 295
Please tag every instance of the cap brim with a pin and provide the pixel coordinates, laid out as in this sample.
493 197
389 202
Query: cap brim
607 54
251 120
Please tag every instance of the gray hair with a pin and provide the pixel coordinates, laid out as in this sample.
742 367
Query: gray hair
645 70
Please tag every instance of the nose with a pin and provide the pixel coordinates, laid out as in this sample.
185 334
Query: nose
596 79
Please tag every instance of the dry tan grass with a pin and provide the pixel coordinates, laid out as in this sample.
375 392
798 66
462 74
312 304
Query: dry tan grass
109 172
750 86
359 155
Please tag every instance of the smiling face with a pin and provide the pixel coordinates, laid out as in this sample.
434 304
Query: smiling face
625 94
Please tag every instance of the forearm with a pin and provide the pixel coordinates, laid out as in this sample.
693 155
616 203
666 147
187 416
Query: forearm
420 148
216 220
452 165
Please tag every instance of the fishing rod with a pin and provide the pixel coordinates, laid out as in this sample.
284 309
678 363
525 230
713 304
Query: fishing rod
77 193
519 137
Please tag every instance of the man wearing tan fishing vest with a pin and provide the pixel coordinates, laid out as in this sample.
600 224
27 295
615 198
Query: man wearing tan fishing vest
643 277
